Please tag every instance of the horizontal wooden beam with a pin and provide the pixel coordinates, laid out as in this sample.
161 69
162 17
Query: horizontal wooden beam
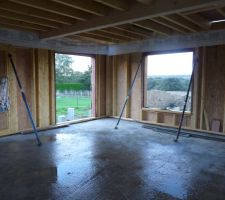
22 24
87 6
154 26
181 21
116 4
134 14
29 19
170 24
28 11
193 40
53 7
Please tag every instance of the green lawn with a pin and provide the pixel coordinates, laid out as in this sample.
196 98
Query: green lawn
82 106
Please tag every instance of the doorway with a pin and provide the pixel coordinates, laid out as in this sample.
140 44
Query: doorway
74 87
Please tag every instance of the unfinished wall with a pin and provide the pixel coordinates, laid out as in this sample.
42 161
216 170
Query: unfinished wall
36 71
207 98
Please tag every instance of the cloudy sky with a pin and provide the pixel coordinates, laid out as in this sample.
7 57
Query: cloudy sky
170 64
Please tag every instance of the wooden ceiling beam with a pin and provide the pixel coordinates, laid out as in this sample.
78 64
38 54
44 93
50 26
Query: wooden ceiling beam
109 35
124 33
222 12
156 27
53 7
170 24
99 37
21 9
198 20
203 9
87 6
121 5
137 30
133 14
28 19
23 24
179 20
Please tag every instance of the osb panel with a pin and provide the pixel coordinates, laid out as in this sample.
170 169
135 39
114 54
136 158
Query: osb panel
121 63
42 87
25 72
168 118
151 117
186 120
102 86
3 72
109 86
136 96
215 82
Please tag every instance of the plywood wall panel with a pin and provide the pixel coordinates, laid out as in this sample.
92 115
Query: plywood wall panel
136 96
100 84
215 82
24 64
3 72
42 87
121 63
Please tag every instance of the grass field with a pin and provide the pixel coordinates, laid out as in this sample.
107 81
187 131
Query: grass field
82 106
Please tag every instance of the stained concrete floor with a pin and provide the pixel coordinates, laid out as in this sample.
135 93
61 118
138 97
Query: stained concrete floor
92 161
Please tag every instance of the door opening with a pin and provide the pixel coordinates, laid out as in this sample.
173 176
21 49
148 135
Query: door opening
74 87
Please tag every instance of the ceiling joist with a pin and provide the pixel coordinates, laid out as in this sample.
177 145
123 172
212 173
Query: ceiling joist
133 14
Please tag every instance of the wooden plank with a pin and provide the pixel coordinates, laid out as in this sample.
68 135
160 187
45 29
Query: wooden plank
206 120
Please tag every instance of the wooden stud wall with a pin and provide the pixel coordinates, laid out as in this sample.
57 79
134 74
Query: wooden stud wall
36 71
208 91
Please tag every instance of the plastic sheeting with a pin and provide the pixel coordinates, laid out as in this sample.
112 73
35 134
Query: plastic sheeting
4 99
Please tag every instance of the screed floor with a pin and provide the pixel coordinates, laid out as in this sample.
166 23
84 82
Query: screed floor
92 161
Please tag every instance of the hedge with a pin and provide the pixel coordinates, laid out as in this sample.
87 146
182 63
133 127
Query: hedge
69 86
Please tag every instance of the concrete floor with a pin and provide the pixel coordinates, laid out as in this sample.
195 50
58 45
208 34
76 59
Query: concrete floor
92 161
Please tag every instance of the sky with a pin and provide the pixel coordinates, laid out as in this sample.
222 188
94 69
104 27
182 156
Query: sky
81 63
170 64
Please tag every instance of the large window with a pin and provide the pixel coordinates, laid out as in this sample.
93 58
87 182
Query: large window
167 78
74 96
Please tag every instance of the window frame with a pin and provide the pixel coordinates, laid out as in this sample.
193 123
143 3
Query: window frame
144 78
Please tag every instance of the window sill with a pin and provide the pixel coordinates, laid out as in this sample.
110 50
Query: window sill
165 111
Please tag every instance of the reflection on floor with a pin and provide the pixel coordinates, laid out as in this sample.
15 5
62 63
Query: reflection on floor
92 161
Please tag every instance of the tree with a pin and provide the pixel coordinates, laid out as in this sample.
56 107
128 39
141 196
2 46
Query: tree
86 78
64 72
